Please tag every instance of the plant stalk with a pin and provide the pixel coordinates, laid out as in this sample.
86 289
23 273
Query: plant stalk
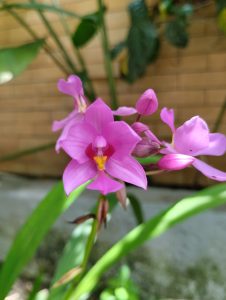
107 57
46 47
91 92
56 39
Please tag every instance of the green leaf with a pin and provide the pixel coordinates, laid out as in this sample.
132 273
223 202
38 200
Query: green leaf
221 20
137 209
176 33
74 251
142 41
15 60
153 159
220 5
86 30
32 233
117 49
180 211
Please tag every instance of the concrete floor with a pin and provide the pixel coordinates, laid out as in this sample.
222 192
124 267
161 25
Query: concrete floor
187 262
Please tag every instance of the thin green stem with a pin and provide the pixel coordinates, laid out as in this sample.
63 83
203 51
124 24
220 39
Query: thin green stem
56 39
91 92
39 7
220 117
107 57
88 249
46 47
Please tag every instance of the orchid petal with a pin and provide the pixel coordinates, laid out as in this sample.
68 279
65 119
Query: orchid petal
105 184
217 145
57 125
98 114
192 136
174 162
72 86
167 116
209 171
79 137
121 137
139 127
124 111
76 174
147 104
168 148
128 170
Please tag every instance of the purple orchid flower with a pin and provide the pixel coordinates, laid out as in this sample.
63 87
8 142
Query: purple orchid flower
146 105
101 149
72 87
189 141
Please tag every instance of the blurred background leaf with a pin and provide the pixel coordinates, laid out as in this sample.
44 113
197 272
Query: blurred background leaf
14 61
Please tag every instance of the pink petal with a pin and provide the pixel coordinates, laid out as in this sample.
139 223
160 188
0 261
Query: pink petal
124 111
72 86
192 136
76 174
77 141
128 170
217 145
57 125
105 184
167 116
121 137
175 162
209 171
98 114
147 103
168 148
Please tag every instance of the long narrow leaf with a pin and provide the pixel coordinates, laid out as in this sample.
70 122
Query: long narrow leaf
32 233
189 206
74 251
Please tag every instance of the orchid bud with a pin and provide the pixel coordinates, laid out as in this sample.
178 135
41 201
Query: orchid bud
121 195
147 103
146 147
175 161
102 212
139 127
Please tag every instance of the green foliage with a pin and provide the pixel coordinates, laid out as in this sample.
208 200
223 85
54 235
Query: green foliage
176 33
182 210
32 233
142 41
86 29
137 208
153 159
221 20
14 61
121 287
117 49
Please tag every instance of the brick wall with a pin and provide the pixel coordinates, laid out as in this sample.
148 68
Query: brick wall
193 81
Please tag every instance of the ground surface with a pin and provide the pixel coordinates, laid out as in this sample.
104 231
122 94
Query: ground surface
188 262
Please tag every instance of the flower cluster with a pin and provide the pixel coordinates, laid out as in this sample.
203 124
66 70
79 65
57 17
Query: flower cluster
104 151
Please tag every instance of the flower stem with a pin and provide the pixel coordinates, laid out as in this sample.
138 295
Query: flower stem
88 248
46 47
107 57
56 39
